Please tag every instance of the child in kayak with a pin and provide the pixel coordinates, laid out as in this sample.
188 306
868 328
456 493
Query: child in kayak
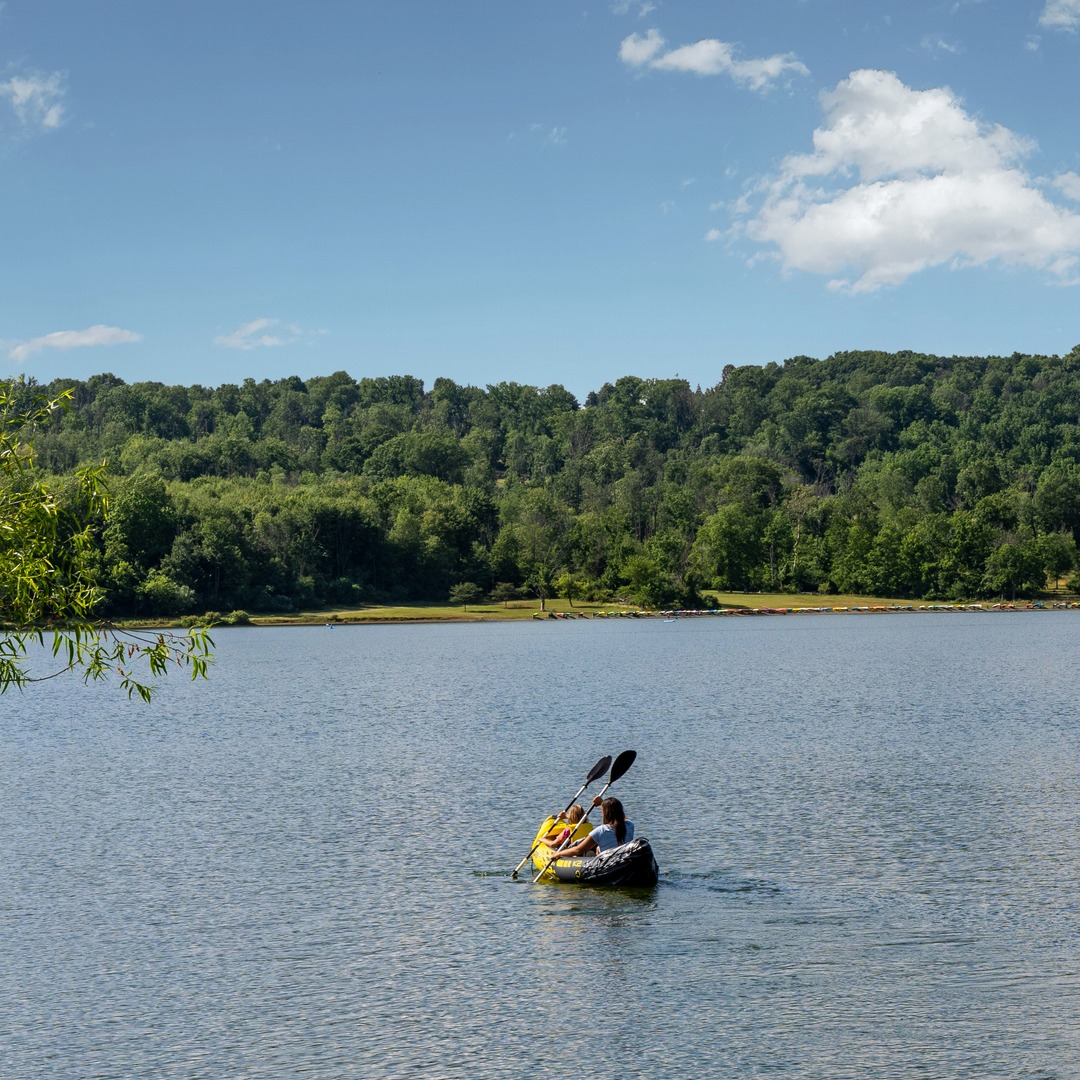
573 816
614 832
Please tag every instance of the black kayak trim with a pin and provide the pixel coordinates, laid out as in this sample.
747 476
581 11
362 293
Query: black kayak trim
629 866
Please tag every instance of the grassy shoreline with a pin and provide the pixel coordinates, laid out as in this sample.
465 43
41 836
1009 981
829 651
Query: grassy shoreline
519 610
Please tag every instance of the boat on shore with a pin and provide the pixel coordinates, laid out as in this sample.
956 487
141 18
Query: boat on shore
630 866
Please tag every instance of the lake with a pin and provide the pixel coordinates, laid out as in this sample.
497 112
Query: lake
866 827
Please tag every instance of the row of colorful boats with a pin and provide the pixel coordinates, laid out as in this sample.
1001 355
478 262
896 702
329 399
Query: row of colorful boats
684 613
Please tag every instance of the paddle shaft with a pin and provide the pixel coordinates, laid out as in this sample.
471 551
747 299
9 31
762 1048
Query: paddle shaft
597 770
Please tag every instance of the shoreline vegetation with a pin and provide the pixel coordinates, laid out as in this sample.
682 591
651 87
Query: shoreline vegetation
721 604
811 485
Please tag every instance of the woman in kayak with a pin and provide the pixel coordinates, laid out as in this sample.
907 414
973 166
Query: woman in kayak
614 832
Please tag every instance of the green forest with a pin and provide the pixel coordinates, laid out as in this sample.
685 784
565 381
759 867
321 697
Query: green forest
882 474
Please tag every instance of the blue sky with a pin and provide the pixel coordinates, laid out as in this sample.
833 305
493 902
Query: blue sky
557 192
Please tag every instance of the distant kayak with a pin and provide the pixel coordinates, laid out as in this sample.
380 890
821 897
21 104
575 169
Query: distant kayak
630 866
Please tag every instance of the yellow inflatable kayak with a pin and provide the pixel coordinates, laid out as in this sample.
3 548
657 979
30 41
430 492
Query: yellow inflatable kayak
630 866
550 829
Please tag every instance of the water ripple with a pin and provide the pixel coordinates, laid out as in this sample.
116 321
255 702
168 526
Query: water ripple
866 831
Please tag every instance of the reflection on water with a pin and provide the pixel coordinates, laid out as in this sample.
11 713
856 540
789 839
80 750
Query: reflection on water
865 826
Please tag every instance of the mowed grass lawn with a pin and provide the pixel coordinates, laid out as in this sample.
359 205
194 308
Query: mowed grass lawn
527 609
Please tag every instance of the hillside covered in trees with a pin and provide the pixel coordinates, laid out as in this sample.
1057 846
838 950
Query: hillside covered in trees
882 474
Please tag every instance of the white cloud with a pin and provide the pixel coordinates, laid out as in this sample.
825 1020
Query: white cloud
1061 14
1069 185
707 57
936 44
251 336
553 136
73 339
544 134
37 101
900 180
713 235
639 49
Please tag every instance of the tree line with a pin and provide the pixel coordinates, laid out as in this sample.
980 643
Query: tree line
887 474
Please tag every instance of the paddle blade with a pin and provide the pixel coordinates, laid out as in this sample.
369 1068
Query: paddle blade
598 770
622 763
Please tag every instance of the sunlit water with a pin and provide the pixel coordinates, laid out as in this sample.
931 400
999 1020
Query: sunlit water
867 829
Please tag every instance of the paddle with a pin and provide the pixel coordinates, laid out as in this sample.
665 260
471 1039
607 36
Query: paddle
596 771
622 763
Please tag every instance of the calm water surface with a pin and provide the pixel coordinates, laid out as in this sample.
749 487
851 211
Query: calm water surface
866 827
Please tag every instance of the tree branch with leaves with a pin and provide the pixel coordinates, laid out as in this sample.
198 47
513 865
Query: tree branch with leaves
48 571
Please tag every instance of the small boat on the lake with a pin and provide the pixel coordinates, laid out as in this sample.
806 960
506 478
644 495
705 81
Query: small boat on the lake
630 866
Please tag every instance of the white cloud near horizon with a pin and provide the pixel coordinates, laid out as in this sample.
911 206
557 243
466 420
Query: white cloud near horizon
73 339
250 335
900 180
1061 14
36 100
707 57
